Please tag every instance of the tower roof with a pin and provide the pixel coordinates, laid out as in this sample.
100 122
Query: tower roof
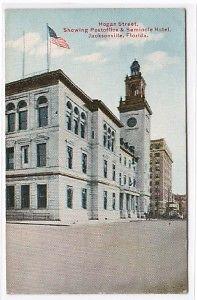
135 67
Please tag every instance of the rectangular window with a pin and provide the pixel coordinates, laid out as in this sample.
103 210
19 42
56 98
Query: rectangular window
113 201
10 197
43 116
120 158
121 202
11 122
92 134
41 155
70 157
84 163
125 179
114 172
10 158
25 154
83 130
25 196
105 200
129 163
84 198
23 120
130 181
42 195
69 195
125 161
69 122
105 168
120 179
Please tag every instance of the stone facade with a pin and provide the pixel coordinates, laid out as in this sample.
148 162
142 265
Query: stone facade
160 176
68 158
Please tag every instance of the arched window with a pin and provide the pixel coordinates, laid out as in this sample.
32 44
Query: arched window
10 111
83 121
104 135
69 115
109 138
112 141
42 105
22 115
76 120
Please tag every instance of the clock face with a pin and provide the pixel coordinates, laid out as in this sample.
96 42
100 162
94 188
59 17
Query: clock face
131 122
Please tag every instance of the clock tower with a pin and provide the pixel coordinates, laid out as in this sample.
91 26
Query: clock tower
135 114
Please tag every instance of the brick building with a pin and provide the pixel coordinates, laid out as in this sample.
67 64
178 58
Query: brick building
160 176
69 158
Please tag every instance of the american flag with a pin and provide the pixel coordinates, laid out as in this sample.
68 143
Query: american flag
59 41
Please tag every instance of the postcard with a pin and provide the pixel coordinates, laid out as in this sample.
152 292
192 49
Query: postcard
96 158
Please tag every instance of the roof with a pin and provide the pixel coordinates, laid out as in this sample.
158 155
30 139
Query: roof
52 78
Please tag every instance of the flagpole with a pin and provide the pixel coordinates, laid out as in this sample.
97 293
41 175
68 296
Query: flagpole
23 64
47 49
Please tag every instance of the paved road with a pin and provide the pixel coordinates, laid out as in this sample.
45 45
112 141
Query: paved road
135 257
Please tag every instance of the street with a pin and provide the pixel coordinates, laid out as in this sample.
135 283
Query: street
127 257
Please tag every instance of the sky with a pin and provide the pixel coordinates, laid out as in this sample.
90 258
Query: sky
99 65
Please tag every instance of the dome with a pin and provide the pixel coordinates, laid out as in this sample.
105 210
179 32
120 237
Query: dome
135 68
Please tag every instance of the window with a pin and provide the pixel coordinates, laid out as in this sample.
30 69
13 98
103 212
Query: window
105 169
127 202
84 198
41 155
114 172
125 179
129 163
42 195
120 179
42 111
130 181
157 154
22 120
92 134
22 115
10 197
134 182
70 157
25 197
125 161
83 130
113 201
84 163
121 202
108 137
83 119
25 156
112 141
10 158
69 115
11 122
105 200
76 126
69 195
69 122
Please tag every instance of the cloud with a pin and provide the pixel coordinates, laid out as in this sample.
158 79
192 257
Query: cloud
31 39
35 46
158 60
136 41
96 57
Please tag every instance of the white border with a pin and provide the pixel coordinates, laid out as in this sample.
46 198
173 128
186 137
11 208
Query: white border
191 117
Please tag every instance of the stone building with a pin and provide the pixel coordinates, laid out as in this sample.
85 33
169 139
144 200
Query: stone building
69 158
181 200
160 177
